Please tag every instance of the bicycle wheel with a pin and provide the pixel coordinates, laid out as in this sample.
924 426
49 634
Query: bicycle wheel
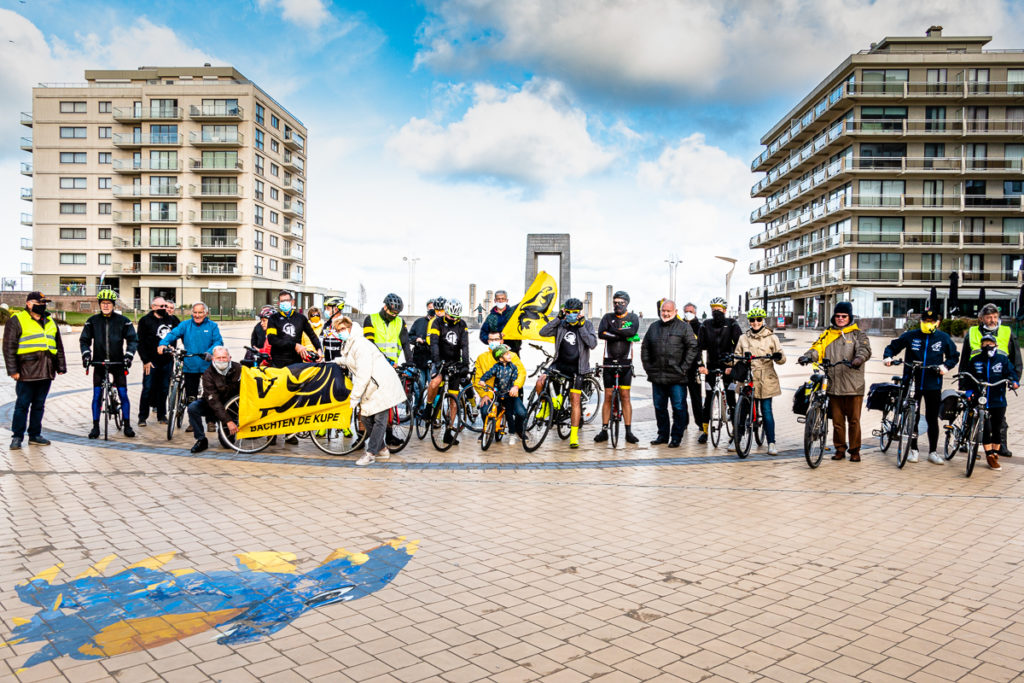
975 441
537 423
955 435
114 407
469 410
490 427
759 430
104 411
172 408
717 419
908 425
813 444
590 399
725 417
885 430
400 426
253 444
442 425
563 418
744 428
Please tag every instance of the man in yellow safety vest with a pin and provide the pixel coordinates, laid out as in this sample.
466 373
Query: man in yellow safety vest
387 330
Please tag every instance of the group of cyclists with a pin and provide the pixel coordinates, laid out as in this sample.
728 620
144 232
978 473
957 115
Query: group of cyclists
436 354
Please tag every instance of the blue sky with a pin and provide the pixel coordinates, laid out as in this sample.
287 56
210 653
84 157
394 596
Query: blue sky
449 129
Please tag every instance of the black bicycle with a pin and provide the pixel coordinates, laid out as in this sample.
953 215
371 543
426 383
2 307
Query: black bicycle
977 409
616 405
748 423
110 402
816 420
903 425
444 417
590 389
177 401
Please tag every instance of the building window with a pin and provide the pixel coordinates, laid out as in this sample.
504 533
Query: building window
933 190
274 147
259 165
934 118
104 183
274 169
74 183
931 267
75 208
104 259
104 208
258 239
258 139
977 119
274 217
273 241
105 107
105 132
220 107
213 159
163 237
883 118
977 80
73 157
258 193
163 211
72 259
1013 188
73 132
73 233
218 133
1012 264
259 113
879 266
883 80
877 229
73 108
274 121
937 83
273 264
104 233
273 193
258 216
106 158
881 192
258 265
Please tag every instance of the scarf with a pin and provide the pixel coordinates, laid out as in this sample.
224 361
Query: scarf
829 336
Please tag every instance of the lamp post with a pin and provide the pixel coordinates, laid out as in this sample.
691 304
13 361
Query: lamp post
412 280
673 262
728 276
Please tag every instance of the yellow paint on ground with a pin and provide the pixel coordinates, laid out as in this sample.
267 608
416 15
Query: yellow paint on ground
269 561
182 572
412 547
395 542
56 603
47 575
18 621
97 568
341 553
154 562
144 633
13 642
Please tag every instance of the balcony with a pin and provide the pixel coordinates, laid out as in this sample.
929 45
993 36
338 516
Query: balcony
134 217
296 231
226 139
215 216
152 268
26 219
26 118
26 194
26 168
290 208
220 269
228 243
961 90
26 268
293 163
26 144
294 186
136 114
145 166
121 243
26 243
216 112
293 141
291 254
129 191
294 277
219 191
215 166
129 140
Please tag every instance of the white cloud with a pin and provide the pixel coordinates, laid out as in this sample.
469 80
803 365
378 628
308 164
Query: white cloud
530 136
307 13
696 169
731 48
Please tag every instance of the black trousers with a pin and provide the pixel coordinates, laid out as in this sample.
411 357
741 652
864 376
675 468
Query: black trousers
696 403
932 403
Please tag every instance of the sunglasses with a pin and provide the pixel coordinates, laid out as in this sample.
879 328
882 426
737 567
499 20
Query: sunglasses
757 320
842 315
570 312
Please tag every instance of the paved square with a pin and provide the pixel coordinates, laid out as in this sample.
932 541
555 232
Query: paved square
635 564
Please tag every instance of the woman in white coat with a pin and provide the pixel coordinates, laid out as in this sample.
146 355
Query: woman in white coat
375 387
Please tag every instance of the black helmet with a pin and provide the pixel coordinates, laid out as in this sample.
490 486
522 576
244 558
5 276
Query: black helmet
393 303
621 295
573 304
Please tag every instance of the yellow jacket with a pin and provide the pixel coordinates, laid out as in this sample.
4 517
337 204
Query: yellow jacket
484 362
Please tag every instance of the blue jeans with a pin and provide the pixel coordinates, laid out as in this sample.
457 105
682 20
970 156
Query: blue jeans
197 410
764 405
515 412
31 395
661 394
154 391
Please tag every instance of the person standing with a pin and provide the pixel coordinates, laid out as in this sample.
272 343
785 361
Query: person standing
199 335
1006 341
717 338
990 365
419 336
387 330
843 341
759 340
574 338
694 381
258 338
667 352
927 345
34 355
109 336
284 332
619 329
497 318
156 367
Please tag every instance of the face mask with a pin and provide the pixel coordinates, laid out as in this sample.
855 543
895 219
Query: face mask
39 309
343 335
501 305
286 307
989 329
430 313
689 316
493 345
928 327
315 319
619 308
717 315
572 317
990 350
222 366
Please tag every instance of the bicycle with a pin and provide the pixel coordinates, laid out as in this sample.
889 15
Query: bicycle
177 401
110 402
718 420
976 404
444 414
616 408
961 425
469 408
816 420
495 425
748 423
590 389
904 427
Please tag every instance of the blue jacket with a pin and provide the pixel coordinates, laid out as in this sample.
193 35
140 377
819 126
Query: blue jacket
931 349
496 321
990 369
504 375
197 339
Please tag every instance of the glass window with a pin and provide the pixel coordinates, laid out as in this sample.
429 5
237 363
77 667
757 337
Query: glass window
163 237
977 119
259 113
274 193
104 208
1012 264
73 157
105 132
274 217
163 211
104 259
273 241
73 131
259 189
1015 81
220 107
163 134
104 183
881 192
933 190
258 139
275 170
259 165
1013 188
977 80
105 158
274 121
258 265
105 107
934 118
258 215
104 233
273 264
220 133
73 108
213 159
931 266
69 208
888 81
73 183
1013 228
879 266
937 83
72 259
73 233
879 229
274 147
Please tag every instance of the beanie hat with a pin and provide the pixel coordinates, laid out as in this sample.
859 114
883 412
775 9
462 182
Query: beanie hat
844 307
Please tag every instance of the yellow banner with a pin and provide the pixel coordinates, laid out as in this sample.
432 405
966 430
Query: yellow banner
301 397
534 311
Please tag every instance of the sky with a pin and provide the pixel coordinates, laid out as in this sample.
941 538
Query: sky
447 130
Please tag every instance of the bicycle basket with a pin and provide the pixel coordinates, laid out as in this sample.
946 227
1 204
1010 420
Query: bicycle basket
740 372
802 398
949 409
882 395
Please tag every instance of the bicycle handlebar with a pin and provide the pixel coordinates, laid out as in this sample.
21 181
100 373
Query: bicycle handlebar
978 382
746 357
914 364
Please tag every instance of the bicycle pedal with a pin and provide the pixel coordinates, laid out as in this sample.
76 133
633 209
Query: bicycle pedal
801 420
877 432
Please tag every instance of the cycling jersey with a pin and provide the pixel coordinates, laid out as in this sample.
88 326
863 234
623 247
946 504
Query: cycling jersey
618 333
283 333
449 341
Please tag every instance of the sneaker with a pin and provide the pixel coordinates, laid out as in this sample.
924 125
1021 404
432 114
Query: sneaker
773 449
200 445
160 420
993 461
15 444
659 442
384 454
39 440
141 422
631 437
367 459
128 431
573 444
703 438
674 443
292 440
94 433
601 437
936 459
912 457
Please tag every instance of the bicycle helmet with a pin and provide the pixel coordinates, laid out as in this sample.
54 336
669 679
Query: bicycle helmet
621 295
393 303
453 308
573 304
439 303
720 302
106 295
335 301
499 351
267 311
756 313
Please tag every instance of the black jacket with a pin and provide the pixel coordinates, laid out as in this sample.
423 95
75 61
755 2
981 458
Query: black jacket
421 351
695 326
258 337
931 349
718 341
668 352
618 333
151 330
218 389
284 332
109 338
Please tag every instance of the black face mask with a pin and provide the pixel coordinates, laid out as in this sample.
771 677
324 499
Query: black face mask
620 308
160 313
39 309
430 313
718 316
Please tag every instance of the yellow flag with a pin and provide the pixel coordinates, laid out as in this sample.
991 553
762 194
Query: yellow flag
300 397
534 311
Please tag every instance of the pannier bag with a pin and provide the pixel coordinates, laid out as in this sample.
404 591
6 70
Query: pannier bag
802 398
949 409
739 373
882 395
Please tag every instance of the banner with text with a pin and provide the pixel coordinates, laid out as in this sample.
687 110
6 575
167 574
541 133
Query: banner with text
300 397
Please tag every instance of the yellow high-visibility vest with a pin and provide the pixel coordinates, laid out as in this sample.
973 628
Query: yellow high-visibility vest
1002 339
387 336
36 337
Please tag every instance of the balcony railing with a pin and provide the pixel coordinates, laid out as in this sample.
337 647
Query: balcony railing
906 202
26 118
145 165
161 268
147 190
121 243
293 162
295 277
26 243
215 166
216 112
226 139
220 269
26 144
296 231
207 190
26 193
26 219
294 186
26 268
147 139
292 208
231 242
26 168
215 216
124 217
155 113
293 140
292 253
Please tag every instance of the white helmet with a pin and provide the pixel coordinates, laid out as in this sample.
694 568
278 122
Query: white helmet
453 308
719 301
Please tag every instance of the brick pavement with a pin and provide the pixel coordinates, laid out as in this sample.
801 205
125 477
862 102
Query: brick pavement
692 565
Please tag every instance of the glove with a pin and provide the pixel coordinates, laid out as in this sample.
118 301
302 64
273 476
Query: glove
86 358
561 314
128 363
208 357
857 362
777 356
634 338
887 362
804 360
1015 386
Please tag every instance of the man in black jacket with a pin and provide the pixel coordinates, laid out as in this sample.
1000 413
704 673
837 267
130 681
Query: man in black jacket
222 381
109 336
718 336
668 350
156 368
619 329
419 336
694 380
284 332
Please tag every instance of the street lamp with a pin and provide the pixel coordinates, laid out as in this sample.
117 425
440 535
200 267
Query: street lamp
412 280
728 277
673 262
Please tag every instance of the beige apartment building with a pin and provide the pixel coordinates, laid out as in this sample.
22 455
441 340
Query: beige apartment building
183 182
900 168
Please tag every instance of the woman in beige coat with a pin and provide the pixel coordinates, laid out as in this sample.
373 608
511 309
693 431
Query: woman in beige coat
761 341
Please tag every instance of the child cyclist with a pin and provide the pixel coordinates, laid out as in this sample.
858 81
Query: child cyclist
507 387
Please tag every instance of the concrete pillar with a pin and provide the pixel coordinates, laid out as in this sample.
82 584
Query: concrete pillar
550 245
608 299
489 299
472 297
588 305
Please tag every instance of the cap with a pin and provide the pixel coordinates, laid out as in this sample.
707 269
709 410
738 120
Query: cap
929 314
989 337
36 296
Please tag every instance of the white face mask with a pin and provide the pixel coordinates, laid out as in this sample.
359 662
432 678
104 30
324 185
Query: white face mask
222 366
689 315
500 305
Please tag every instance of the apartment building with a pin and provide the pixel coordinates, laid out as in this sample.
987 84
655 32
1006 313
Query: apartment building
900 168
182 182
